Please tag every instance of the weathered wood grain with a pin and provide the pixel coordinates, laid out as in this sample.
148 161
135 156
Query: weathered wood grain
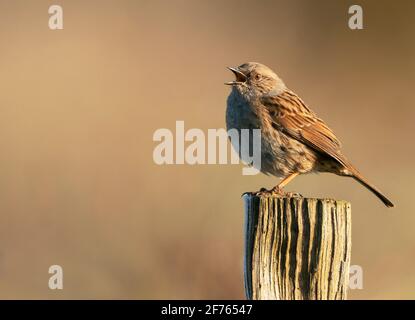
296 248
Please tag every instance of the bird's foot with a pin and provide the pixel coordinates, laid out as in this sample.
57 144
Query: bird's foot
263 192
276 191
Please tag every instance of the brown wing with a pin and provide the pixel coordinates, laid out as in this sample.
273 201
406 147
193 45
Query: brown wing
290 114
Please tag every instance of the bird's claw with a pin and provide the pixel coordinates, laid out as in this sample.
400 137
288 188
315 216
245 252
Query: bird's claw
276 191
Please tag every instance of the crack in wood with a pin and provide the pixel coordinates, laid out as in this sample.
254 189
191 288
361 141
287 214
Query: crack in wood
296 248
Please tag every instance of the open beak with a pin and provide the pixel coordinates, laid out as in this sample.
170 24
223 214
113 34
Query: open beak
239 77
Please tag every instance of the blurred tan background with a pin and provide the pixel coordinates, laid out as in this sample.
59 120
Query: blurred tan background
79 106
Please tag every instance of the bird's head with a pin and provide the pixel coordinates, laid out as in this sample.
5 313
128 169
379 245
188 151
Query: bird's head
255 79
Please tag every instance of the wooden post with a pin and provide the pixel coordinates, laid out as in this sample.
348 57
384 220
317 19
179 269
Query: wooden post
296 248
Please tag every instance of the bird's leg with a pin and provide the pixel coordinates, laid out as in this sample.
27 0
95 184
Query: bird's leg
278 188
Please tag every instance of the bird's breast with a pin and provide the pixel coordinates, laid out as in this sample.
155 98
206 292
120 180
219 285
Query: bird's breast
240 113
281 155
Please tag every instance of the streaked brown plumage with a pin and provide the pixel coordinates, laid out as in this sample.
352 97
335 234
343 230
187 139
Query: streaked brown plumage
293 139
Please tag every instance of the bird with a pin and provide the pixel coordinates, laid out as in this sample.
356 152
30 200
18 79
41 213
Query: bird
294 140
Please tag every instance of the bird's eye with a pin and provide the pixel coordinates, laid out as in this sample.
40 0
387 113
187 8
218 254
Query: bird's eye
257 77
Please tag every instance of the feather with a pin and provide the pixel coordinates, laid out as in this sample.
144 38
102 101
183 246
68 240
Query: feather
291 115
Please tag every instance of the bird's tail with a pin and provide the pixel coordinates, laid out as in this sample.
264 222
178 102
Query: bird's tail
358 177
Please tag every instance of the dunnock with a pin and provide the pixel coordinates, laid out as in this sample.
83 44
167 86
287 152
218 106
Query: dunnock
293 139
